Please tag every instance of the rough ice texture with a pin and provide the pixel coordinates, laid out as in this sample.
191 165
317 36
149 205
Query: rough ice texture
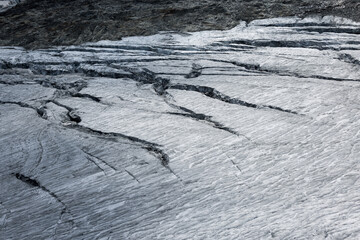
251 133
42 23
6 5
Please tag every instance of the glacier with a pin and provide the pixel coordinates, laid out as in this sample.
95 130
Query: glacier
249 133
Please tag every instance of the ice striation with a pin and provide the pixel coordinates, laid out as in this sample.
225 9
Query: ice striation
250 133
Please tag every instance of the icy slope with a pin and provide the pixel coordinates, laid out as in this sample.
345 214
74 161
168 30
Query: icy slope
39 24
5 5
251 133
